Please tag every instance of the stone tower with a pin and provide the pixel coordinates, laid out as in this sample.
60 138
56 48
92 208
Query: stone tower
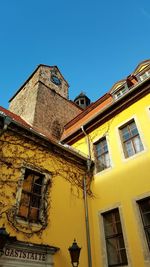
82 100
43 101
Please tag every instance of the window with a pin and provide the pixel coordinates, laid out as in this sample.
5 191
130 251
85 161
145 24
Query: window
145 75
102 155
116 252
131 140
82 101
144 206
31 196
121 92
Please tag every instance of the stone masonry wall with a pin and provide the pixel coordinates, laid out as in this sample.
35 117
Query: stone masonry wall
23 104
45 76
43 104
53 111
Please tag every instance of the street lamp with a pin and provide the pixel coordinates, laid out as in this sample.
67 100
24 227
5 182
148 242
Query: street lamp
74 253
3 239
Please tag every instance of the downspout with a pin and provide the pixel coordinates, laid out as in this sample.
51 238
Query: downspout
7 121
86 200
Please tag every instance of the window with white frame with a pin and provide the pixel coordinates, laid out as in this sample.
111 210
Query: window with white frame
130 138
144 75
102 158
116 251
144 206
31 196
122 91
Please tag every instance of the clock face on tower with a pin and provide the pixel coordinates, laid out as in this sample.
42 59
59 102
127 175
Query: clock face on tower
55 80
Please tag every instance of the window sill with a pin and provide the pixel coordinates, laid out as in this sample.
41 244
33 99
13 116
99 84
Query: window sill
28 224
134 156
98 173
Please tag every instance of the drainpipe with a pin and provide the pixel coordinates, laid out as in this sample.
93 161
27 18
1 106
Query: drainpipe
86 200
7 121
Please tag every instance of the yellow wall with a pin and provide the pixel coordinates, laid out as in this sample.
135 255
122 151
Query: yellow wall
121 185
66 219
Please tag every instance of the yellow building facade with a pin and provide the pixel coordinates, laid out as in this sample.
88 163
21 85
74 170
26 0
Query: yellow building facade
92 184
41 197
117 138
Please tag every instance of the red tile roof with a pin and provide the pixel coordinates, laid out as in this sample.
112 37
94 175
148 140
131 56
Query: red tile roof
25 124
86 115
14 117
35 130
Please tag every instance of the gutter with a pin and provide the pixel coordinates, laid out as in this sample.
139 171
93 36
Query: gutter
117 100
105 109
89 161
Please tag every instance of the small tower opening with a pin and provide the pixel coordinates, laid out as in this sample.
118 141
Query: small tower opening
82 100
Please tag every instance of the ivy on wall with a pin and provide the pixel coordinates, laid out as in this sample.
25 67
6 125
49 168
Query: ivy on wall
18 152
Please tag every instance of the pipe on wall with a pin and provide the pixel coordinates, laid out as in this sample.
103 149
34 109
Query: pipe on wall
86 200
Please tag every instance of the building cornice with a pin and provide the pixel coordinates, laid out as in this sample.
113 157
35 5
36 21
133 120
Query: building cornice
111 110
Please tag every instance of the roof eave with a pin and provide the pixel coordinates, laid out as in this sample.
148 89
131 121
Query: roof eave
88 123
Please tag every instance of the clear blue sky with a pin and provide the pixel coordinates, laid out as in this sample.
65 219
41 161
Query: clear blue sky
93 42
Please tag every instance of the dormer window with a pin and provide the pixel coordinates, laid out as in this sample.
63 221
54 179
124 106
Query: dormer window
121 92
144 75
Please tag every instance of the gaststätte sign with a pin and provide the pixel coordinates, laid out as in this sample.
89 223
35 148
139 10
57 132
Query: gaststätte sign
24 254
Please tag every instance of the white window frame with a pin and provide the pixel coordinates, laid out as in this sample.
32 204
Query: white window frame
144 76
120 142
141 231
121 89
102 234
19 193
96 140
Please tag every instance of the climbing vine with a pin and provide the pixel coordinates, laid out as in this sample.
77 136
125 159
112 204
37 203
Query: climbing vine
18 152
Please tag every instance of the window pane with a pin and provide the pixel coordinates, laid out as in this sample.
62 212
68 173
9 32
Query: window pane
27 183
104 161
113 256
24 205
34 214
145 213
133 129
31 195
137 143
107 160
25 199
148 236
112 228
23 211
146 218
145 209
125 134
37 189
102 155
145 205
38 180
116 254
35 201
131 139
114 239
123 256
129 148
105 148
